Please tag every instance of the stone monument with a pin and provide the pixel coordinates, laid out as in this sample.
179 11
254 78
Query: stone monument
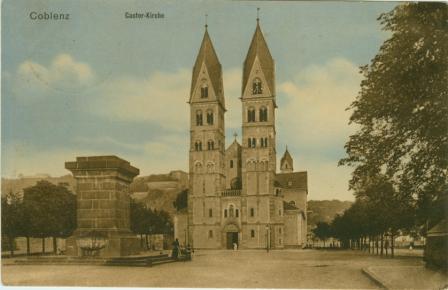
103 207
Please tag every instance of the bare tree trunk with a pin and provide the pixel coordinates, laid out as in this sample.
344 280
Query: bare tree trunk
141 241
43 245
11 246
376 244
382 244
392 246
28 251
146 239
55 245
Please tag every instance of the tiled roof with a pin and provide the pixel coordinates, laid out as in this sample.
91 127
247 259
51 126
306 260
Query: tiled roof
297 180
207 55
258 47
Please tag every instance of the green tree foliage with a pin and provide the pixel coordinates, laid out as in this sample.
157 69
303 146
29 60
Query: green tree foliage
145 221
400 152
322 231
12 219
181 201
51 211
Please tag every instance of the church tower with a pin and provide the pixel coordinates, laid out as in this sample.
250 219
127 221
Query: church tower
258 101
206 164
263 224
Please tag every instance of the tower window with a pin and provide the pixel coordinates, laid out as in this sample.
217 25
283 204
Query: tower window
210 145
198 146
210 212
198 118
263 114
252 212
204 90
251 115
256 87
254 143
231 163
252 233
237 213
225 213
210 234
209 117
264 142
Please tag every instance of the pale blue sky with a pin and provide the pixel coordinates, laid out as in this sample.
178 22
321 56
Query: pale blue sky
102 84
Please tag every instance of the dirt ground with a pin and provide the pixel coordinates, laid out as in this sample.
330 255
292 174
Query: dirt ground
218 269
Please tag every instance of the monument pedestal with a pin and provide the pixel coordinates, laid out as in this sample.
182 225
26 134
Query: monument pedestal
103 207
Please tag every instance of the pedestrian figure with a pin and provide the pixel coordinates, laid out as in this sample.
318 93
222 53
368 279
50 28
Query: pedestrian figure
235 246
175 252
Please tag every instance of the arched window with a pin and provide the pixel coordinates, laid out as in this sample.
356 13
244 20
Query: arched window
210 117
263 114
252 233
231 163
256 87
231 210
254 143
210 145
251 115
210 212
210 234
204 90
225 213
237 213
198 146
199 118
252 211
264 142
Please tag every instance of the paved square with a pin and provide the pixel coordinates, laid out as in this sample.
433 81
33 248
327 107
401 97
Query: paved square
229 269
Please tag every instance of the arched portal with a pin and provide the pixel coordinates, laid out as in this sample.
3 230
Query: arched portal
231 234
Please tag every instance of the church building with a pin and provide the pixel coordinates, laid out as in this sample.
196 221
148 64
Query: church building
236 196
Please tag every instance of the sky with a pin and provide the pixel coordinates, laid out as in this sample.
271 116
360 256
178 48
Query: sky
103 84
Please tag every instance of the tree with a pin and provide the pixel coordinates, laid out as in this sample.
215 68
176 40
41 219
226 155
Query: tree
51 209
402 113
145 221
12 218
322 231
181 201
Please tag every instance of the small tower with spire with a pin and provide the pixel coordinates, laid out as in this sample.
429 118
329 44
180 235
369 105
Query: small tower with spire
286 163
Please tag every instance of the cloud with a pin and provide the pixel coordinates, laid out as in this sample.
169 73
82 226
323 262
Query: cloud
313 121
63 75
160 98
316 100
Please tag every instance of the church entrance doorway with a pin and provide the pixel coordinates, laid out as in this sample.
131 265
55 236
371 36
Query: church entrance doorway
232 237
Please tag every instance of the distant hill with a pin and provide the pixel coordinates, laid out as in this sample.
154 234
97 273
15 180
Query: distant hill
157 191
325 210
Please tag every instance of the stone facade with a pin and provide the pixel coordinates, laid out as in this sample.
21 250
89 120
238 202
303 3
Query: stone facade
103 202
235 195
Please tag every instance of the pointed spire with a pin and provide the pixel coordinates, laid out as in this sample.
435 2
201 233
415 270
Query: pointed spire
286 163
208 56
259 48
